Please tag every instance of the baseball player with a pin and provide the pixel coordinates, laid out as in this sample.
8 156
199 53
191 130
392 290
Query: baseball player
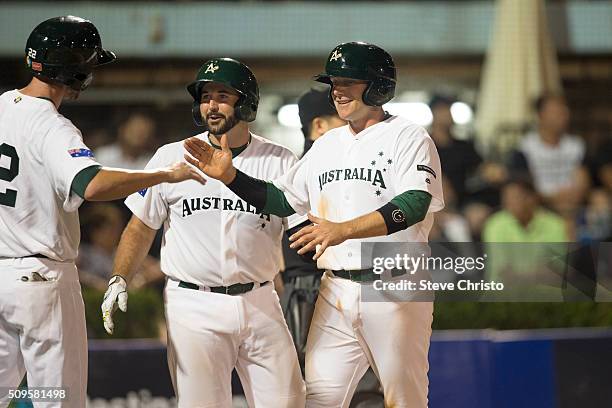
220 255
379 176
46 171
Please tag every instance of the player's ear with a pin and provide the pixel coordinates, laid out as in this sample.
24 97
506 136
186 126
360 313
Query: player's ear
318 126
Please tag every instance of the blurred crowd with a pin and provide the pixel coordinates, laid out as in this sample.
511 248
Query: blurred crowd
134 143
551 187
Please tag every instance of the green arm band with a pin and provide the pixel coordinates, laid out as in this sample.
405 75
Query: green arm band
276 202
414 204
83 178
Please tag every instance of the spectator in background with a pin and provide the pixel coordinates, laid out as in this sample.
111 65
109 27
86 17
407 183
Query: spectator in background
553 157
600 166
301 278
317 116
458 158
595 220
449 224
472 182
99 137
522 218
476 214
529 271
134 145
102 225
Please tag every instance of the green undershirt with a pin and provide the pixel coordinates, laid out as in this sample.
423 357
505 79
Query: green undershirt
235 150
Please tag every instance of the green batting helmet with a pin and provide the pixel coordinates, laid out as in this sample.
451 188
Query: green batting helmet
231 73
65 50
359 60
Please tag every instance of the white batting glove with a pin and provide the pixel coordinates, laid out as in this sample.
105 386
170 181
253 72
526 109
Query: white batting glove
115 296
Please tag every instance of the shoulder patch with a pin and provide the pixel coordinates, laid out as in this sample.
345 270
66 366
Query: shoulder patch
143 192
422 167
80 153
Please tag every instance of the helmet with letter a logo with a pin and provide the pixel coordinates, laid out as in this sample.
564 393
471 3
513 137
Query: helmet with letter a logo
231 73
368 62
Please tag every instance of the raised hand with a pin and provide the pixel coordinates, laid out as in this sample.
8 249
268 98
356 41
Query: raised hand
181 171
215 163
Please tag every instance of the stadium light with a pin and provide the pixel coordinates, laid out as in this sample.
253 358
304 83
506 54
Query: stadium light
462 113
417 112
288 116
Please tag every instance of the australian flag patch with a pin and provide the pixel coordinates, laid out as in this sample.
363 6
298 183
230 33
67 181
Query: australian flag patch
143 192
80 153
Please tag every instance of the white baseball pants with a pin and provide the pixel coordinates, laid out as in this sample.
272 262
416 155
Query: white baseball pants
42 329
348 335
209 334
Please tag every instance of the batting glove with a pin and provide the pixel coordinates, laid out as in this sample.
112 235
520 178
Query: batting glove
115 296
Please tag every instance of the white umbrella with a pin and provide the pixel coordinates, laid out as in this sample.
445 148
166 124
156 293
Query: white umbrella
520 65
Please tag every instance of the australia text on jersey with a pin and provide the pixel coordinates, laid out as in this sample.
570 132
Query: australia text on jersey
190 205
374 176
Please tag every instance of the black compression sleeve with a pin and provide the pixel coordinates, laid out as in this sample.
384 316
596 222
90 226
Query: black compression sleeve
250 189
264 196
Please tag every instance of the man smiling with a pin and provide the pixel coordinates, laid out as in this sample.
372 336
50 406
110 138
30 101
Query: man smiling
382 179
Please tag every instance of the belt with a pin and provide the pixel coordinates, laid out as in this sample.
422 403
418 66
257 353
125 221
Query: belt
364 275
235 289
27 256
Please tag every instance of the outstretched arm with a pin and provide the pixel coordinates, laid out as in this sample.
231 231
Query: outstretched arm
105 184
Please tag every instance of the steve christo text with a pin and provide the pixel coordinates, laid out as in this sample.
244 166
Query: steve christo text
428 285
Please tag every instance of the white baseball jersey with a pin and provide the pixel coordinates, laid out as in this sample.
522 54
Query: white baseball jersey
211 236
40 154
344 176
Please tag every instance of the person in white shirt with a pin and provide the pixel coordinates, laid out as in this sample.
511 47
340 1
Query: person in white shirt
132 149
220 255
553 157
46 172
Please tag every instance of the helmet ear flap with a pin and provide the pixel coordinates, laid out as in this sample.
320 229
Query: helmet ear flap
195 108
369 95
245 111
241 111
379 92
330 96
197 115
